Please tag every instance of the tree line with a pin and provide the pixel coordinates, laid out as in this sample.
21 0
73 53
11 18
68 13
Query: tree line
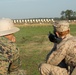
67 15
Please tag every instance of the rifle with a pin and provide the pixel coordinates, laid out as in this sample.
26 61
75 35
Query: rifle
53 38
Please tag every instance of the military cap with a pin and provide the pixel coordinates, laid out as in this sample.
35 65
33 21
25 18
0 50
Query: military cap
61 26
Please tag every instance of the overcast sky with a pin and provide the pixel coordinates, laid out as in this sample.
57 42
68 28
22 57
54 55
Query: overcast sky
22 9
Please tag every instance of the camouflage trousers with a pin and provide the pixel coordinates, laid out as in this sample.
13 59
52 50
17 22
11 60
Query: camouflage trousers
47 69
19 72
12 70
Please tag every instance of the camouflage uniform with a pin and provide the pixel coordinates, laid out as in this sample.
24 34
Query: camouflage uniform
64 50
9 58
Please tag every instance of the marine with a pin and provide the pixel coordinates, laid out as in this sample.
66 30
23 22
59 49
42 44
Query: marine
64 50
9 53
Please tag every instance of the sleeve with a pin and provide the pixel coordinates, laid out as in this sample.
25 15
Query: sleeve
9 58
15 64
4 67
57 56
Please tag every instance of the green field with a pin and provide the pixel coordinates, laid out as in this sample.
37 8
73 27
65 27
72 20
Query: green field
34 45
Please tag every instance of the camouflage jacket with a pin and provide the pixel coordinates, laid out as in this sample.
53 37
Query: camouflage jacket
9 56
65 50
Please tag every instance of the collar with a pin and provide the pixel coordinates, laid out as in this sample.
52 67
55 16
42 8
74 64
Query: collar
67 36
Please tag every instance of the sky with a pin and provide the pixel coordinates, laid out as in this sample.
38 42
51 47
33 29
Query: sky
22 9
